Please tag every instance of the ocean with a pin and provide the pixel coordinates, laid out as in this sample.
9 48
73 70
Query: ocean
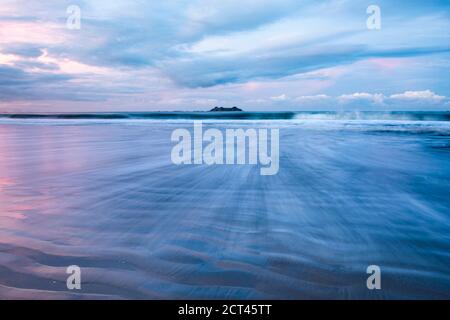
100 191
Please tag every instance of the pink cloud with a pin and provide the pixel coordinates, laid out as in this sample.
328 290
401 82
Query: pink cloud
389 63
31 32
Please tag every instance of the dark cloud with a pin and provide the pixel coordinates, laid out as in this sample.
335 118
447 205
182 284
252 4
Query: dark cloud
283 62
16 84
24 50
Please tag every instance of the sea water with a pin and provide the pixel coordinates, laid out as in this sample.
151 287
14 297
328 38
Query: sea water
100 191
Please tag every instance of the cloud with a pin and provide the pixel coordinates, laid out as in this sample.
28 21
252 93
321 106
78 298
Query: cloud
426 95
405 99
315 101
358 100
18 84
424 100
184 53
23 50
371 98
281 97
421 99
318 97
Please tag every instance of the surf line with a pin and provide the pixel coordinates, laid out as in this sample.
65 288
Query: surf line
238 147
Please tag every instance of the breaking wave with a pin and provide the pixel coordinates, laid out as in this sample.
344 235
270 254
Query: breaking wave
302 115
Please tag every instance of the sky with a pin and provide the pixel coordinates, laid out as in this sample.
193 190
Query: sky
272 55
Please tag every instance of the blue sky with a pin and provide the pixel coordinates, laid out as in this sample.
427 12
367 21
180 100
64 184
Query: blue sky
193 55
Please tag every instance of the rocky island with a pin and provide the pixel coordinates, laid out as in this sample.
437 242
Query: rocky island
222 109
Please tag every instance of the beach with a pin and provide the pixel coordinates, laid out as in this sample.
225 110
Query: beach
103 194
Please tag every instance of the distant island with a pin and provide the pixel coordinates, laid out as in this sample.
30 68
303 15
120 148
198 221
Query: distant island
222 109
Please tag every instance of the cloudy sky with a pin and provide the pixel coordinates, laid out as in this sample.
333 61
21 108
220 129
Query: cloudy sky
192 55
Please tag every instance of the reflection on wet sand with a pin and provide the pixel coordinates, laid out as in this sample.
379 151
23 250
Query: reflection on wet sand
105 196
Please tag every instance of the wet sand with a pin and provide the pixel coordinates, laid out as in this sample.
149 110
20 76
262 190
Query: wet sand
104 195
